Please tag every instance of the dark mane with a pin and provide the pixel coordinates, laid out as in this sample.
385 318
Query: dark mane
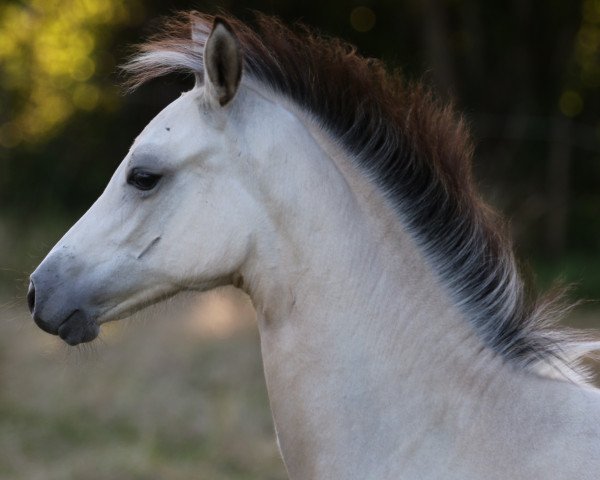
418 150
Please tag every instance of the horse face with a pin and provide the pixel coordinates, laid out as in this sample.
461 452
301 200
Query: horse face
176 215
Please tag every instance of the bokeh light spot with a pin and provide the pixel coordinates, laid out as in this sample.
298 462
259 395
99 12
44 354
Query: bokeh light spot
85 97
570 103
362 19
83 70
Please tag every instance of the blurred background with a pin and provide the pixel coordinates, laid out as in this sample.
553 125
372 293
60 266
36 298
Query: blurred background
184 398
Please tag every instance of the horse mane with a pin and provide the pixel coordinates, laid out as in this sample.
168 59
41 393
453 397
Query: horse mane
417 150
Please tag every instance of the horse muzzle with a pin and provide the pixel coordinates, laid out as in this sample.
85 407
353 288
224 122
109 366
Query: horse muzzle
60 311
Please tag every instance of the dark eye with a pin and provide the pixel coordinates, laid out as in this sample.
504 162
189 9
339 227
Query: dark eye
142 179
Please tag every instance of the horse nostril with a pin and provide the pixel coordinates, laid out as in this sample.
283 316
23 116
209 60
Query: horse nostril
31 297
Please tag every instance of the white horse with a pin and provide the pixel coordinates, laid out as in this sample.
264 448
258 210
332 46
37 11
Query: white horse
397 340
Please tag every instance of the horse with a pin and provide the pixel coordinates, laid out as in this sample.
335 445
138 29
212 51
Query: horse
398 337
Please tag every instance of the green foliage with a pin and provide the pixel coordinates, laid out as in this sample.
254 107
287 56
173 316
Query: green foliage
49 53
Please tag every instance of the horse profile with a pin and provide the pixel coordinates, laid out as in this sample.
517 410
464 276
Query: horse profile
398 338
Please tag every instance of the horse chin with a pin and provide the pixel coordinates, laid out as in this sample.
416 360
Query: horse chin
78 328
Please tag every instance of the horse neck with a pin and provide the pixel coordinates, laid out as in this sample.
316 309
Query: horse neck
368 363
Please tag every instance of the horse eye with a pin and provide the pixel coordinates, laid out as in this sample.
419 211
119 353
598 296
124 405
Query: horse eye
142 180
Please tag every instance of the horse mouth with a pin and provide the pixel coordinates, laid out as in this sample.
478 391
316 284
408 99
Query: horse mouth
77 328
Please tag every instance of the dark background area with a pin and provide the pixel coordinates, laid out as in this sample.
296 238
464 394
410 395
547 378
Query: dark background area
524 73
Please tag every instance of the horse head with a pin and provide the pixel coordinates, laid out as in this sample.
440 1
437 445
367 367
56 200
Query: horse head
176 215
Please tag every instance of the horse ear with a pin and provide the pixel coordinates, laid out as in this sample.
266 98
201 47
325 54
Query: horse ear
222 62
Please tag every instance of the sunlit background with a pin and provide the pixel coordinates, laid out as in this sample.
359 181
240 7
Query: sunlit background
180 394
